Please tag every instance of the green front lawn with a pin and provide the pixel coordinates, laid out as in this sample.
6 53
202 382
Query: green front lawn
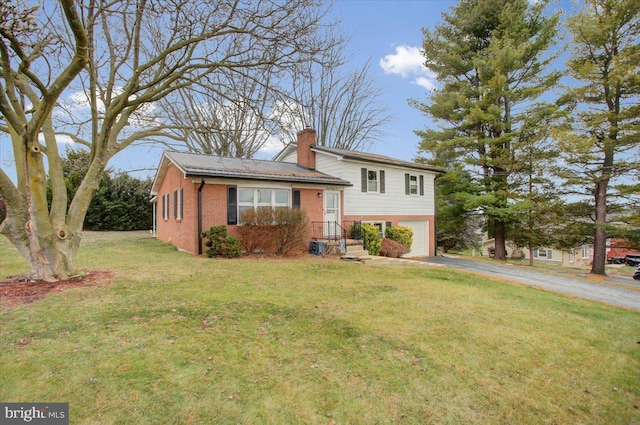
176 339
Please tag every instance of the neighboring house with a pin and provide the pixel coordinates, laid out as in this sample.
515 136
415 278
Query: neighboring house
548 255
580 257
335 187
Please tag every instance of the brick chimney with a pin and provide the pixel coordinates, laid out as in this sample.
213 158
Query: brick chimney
305 139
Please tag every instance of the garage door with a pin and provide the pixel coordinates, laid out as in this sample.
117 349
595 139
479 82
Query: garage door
420 247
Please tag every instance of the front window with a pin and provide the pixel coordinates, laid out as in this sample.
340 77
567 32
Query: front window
252 199
585 251
413 185
372 181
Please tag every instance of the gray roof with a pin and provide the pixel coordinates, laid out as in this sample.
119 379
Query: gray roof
380 159
197 165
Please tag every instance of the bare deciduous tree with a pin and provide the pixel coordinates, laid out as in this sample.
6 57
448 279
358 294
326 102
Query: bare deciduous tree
344 109
134 53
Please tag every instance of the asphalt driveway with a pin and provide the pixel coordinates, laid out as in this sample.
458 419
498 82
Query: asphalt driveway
583 288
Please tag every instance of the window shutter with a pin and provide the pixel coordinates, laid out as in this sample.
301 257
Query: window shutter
381 181
407 189
175 204
232 205
549 254
164 207
421 185
363 175
296 199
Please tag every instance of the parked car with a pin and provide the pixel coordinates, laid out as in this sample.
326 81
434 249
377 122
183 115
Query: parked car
632 260
636 274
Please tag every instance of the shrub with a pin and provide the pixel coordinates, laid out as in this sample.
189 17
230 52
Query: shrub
371 238
401 234
356 231
391 248
292 229
256 232
220 244
279 232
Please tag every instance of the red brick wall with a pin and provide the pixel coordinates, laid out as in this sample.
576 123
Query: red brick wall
306 158
184 233
181 233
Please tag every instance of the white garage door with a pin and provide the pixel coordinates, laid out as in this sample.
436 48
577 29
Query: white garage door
420 247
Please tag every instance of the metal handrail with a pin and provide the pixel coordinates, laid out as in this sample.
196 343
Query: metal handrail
329 230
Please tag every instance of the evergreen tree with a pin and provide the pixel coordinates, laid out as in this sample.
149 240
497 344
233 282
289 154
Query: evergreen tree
490 57
600 139
121 202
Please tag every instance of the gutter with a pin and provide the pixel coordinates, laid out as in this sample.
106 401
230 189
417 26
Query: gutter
200 216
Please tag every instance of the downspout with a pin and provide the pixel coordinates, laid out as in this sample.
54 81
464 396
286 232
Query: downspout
200 217
435 216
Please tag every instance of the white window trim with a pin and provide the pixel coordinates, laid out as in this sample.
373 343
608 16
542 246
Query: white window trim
255 204
377 180
585 251
417 187
180 208
166 213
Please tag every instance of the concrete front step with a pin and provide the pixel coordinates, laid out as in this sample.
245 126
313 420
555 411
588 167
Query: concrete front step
355 253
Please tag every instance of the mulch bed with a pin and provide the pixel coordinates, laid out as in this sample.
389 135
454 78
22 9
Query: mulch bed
18 290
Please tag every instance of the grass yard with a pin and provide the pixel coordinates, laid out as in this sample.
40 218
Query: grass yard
177 339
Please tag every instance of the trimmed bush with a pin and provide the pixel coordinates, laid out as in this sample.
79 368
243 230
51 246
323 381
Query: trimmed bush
401 234
279 231
393 249
371 238
356 231
292 229
256 233
220 244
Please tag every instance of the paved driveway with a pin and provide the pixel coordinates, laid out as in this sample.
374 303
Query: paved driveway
583 288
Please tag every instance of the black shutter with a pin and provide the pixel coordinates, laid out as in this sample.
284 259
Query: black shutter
232 205
175 204
164 207
363 174
421 185
296 199
381 181
407 189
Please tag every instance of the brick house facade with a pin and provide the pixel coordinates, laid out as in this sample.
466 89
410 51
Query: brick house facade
195 192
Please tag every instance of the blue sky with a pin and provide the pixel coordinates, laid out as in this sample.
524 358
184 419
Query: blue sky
389 34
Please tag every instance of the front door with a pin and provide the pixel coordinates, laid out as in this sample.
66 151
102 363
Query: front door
331 213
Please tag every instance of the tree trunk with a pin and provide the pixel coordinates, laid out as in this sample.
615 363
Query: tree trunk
600 237
531 255
500 240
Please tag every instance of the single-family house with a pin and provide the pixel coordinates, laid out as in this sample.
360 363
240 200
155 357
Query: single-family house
548 255
335 187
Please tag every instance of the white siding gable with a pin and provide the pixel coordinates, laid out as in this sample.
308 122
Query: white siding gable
393 202
291 157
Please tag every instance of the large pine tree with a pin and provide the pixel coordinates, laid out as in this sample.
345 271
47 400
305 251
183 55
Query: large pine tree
491 59
600 140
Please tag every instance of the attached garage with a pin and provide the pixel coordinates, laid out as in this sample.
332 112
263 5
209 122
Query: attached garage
420 247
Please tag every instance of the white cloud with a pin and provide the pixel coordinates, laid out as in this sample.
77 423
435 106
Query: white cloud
425 82
408 62
405 62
